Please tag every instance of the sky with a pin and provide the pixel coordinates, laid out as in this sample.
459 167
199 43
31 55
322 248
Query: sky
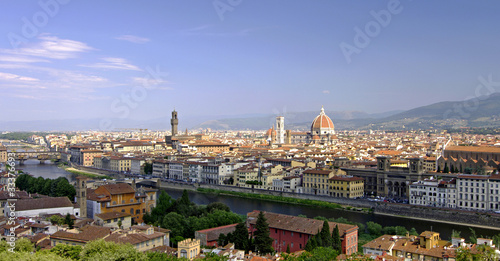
75 59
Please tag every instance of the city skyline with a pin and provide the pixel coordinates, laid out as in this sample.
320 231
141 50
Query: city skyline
72 60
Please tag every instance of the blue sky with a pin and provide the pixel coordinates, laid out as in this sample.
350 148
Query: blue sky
139 59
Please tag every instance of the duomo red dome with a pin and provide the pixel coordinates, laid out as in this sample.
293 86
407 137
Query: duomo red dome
322 124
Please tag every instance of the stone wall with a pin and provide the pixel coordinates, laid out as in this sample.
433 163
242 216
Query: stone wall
431 213
343 201
405 210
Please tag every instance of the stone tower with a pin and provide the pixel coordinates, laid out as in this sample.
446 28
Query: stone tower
81 195
383 163
174 122
280 130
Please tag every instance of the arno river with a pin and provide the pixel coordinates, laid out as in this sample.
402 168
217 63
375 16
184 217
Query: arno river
243 206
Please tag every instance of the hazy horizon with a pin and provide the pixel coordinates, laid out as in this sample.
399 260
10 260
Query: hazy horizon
131 60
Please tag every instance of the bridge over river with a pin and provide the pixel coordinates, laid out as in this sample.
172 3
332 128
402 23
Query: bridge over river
42 155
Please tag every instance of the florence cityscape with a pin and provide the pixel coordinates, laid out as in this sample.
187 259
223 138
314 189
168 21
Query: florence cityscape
250 130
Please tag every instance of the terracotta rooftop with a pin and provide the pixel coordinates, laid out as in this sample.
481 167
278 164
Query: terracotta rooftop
43 203
487 149
112 215
88 233
213 233
298 224
119 188
132 238
317 171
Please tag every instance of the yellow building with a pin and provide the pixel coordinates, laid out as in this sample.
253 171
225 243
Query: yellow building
188 248
120 164
143 238
121 197
346 186
79 238
244 174
114 219
3 154
317 181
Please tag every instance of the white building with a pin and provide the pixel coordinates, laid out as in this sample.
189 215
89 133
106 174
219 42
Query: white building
291 183
136 165
160 168
478 192
470 192
43 206
432 192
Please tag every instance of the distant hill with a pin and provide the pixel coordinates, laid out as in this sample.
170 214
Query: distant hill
293 120
479 112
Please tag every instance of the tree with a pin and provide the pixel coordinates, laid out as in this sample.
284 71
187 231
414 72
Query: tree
455 234
68 221
311 244
336 244
326 237
100 250
240 236
413 232
319 254
446 169
263 242
67 251
222 240
288 248
218 205
56 220
374 229
473 236
148 168
496 240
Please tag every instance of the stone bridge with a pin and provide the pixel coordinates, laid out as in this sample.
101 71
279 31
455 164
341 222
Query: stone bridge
42 156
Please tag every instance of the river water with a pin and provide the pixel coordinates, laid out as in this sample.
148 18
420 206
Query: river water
242 206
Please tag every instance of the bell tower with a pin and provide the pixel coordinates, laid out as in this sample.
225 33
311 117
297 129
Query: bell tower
81 195
280 129
174 122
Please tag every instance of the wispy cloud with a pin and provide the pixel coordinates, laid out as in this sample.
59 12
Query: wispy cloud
133 38
113 63
50 47
326 92
20 59
152 83
16 78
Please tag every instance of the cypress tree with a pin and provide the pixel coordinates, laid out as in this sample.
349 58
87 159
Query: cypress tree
263 242
337 244
240 236
326 237
446 169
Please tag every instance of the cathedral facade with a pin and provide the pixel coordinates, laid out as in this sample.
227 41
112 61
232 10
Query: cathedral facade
322 132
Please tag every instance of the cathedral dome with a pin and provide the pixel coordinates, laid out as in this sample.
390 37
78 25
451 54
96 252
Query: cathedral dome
271 132
322 124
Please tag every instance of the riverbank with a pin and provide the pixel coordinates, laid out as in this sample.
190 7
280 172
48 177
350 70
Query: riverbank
83 173
410 212
443 221
288 200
